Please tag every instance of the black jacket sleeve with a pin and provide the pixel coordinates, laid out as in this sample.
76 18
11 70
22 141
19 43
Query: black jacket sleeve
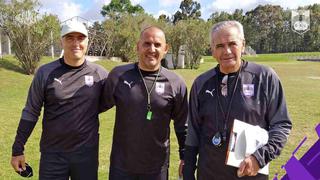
192 141
24 131
278 119
107 100
190 161
30 113
180 115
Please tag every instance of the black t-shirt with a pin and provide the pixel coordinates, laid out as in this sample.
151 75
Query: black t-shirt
141 145
71 100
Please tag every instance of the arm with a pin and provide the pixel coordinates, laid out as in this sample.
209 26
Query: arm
192 141
103 74
180 114
278 119
107 99
191 152
29 117
24 131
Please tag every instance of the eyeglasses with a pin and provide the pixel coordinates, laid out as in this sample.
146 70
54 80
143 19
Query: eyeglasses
223 85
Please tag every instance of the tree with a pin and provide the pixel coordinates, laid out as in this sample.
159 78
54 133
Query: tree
222 16
315 27
28 31
99 39
176 35
118 7
196 42
189 9
262 23
238 15
164 18
123 34
190 35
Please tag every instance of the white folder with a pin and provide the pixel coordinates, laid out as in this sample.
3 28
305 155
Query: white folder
245 139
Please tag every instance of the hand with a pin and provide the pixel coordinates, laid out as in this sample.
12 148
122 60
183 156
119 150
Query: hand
181 168
18 163
248 167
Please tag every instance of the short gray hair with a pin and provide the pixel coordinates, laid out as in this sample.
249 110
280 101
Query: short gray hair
220 25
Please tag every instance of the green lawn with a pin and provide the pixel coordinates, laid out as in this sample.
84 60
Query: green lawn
301 81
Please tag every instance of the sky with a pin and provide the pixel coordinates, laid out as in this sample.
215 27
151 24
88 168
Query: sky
90 9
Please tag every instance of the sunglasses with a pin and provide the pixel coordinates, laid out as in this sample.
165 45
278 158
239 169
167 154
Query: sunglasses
224 86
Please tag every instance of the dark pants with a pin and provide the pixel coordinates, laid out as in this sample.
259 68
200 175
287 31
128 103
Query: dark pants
117 174
78 165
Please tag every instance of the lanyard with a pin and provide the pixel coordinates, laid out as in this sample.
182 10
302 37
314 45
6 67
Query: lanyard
226 115
149 113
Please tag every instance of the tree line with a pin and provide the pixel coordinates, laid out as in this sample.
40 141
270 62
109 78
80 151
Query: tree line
267 30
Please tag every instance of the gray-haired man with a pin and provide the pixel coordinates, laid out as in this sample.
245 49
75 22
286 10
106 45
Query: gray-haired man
234 89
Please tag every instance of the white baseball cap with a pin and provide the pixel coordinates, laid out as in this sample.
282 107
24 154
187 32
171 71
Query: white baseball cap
74 26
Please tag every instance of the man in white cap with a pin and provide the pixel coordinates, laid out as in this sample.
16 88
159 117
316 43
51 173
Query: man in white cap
69 90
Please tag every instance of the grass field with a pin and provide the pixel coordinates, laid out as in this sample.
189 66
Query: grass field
301 81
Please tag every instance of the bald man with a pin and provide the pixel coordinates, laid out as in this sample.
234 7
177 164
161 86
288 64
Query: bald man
147 96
